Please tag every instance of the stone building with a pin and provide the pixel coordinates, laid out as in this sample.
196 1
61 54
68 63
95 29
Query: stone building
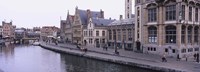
81 19
63 30
1 32
121 34
96 32
49 32
8 30
167 26
66 28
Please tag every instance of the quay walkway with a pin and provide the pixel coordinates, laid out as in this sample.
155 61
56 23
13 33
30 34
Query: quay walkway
131 58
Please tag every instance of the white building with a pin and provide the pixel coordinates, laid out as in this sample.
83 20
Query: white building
96 32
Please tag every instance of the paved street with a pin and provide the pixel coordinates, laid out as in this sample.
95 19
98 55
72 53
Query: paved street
151 59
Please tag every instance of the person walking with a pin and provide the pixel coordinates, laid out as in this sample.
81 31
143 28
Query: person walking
197 57
164 58
178 57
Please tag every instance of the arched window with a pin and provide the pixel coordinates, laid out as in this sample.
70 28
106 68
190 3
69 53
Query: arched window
190 34
170 10
152 34
170 34
196 34
152 12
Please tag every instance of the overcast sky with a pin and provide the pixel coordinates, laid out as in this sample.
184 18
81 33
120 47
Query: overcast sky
32 13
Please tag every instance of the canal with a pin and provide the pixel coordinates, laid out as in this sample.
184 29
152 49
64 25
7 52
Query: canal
27 58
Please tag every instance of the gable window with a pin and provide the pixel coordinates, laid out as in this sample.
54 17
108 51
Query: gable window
170 12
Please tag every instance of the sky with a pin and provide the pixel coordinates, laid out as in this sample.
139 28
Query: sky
38 13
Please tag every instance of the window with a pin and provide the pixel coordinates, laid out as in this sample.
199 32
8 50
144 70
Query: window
166 50
183 34
170 12
119 35
152 15
114 34
196 15
110 34
190 13
124 35
183 50
103 41
103 33
129 35
85 33
196 49
91 33
190 34
196 34
129 45
190 50
173 50
97 33
170 34
183 12
138 1
152 34
148 48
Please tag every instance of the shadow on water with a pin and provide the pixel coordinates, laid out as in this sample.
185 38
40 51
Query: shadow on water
81 64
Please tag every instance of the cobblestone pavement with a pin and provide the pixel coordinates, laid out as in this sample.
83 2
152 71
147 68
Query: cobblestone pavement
189 65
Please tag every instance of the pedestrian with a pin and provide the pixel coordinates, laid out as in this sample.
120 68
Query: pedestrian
197 57
164 58
178 57
106 48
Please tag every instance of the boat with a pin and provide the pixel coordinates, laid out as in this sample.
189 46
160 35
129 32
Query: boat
36 43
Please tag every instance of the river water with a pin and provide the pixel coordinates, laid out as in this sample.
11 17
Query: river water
27 58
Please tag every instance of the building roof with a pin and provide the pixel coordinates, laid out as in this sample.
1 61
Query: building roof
101 21
123 22
84 15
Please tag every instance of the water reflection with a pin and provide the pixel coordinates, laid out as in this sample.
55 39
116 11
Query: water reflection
77 64
36 59
29 59
7 51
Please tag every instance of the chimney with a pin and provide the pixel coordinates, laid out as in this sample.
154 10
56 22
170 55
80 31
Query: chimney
102 13
120 17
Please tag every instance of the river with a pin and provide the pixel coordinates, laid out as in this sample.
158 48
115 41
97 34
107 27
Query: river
27 58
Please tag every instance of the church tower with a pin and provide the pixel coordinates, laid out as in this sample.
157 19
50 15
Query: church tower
128 9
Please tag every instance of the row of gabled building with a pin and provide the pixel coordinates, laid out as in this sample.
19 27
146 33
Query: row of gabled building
90 28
